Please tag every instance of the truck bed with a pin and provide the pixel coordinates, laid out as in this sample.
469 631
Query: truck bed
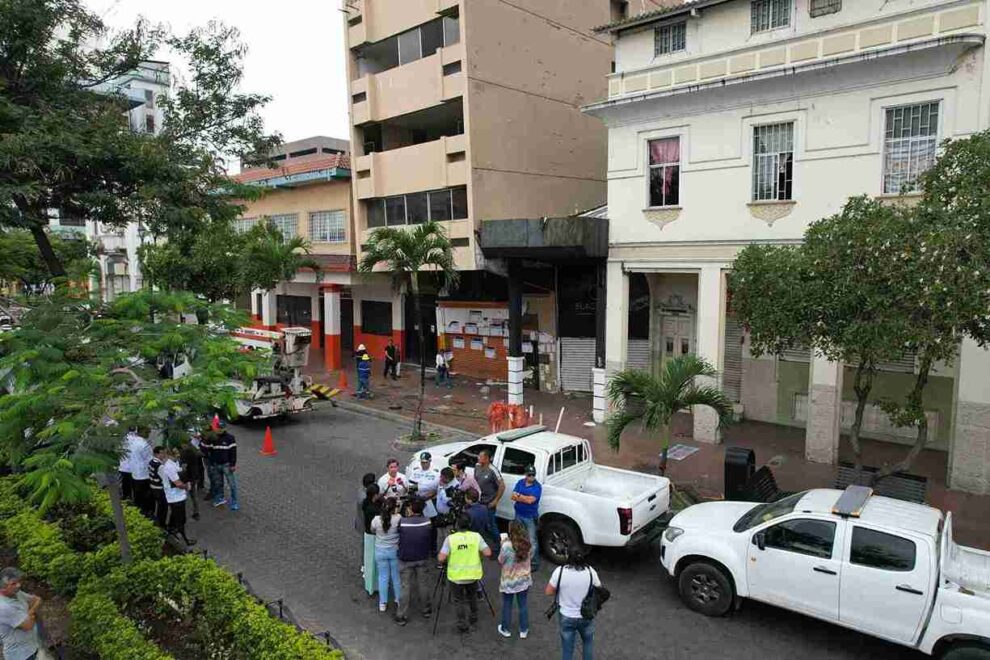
611 483
967 567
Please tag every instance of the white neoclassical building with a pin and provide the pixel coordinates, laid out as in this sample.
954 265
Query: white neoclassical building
740 121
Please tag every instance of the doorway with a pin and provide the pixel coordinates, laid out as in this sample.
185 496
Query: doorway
429 320
675 324
346 324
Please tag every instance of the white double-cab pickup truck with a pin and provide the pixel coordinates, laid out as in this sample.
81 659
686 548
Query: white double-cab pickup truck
881 566
583 504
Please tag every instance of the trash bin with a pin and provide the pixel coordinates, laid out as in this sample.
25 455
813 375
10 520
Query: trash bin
740 464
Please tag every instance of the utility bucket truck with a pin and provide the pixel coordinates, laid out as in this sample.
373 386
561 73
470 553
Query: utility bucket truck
285 390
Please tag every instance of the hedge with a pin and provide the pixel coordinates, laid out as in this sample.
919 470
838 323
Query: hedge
190 586
43 552
98 627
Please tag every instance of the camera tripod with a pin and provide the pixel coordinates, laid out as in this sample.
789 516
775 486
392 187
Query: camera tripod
443 588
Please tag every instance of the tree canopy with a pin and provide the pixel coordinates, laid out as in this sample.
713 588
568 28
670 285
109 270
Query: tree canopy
22 262
66 144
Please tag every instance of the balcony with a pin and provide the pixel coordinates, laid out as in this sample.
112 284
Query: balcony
429 166
945 34
408 88
370 21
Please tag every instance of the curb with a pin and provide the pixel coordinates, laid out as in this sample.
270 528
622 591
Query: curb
398 418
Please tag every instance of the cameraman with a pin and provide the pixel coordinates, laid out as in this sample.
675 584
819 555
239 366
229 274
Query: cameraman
444 490
462 551
477 513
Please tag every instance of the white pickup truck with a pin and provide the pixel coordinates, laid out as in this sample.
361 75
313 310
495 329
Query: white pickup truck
881 566
583 503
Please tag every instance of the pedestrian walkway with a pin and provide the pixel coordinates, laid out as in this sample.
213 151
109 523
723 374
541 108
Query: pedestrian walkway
465 406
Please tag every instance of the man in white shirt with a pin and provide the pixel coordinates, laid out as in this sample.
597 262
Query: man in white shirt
124 469
443 370
140 455
569 584
175 495
18 618
393 483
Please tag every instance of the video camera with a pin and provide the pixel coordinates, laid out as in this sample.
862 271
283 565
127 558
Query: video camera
457 502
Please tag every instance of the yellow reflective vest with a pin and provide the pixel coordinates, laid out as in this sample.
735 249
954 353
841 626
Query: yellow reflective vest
464 561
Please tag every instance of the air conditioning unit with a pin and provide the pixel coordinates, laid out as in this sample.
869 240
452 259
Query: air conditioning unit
120 268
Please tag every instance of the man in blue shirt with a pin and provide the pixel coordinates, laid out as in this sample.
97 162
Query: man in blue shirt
477 513
526 496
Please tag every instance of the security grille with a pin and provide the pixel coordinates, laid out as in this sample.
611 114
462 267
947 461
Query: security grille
638 354
285 223
773 161
769 15
577 359
911 140
327 227
732 370
669 39
242 225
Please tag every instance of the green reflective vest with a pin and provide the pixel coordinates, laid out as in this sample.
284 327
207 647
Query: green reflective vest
464 561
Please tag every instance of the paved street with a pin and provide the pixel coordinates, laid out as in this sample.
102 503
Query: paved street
294 538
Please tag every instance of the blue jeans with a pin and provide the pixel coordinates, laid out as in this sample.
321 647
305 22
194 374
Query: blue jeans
530 525
388 569
522 599
493 530
569 630
363 389
217 475
443 377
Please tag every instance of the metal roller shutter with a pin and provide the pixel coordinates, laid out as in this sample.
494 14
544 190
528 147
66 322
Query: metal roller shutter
732 371
577 359
638 354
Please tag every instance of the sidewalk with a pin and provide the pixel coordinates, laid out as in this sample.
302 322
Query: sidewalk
465 407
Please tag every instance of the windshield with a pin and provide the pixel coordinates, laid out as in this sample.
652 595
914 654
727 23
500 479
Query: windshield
762 513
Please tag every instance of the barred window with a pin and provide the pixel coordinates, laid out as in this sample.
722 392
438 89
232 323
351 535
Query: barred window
910 144
242 225
669 39
665 171
285 223
327 227
822 7
769 15
773 161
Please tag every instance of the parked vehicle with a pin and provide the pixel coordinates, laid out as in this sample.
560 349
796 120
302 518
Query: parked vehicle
286 391
583 503
881 566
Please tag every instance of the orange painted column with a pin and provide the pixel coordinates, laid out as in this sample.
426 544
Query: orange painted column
331 327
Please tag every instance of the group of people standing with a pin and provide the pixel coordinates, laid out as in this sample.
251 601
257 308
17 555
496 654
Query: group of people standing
161 480
363 364
447 517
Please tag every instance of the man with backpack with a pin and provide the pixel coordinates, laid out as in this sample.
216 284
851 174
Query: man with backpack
415 548
573 587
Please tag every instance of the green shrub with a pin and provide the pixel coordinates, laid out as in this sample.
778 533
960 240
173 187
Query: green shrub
98 627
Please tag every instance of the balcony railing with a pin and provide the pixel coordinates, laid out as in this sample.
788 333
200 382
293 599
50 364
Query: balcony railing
429 166
408 88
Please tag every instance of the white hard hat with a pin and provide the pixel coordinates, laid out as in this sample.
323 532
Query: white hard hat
361 347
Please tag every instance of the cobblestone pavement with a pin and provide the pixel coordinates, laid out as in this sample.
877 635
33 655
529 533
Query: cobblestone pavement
294 539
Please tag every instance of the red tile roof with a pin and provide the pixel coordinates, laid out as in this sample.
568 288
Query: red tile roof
341 161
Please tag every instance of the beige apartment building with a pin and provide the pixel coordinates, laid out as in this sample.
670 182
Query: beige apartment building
468 112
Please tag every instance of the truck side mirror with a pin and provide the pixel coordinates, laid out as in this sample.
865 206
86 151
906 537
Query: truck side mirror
760 540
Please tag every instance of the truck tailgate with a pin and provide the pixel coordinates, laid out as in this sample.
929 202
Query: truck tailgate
647 495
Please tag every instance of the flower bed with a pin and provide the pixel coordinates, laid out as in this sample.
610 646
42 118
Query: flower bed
187 605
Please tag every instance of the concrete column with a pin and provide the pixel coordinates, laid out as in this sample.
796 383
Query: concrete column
269 309
616 318
969 452
399 325
315 307
332 358
710 326
255 312
821 439
598 403
516 365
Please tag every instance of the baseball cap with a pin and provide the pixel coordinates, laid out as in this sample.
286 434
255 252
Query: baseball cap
425 456
530 470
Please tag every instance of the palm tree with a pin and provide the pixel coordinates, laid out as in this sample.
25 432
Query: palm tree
653 400
405 252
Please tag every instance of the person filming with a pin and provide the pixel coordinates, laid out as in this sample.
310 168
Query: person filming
462 552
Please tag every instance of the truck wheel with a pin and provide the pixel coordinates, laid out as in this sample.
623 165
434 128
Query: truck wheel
966 651
557 537
705 588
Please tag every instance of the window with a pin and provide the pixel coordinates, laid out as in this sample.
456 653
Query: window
910 143
451 69
822 7
294 310
515 461
773 162
149 98
431 35
327 227
285 223
451 30
762 513
458 203
410 48
440 205
803 536
376 318
769 15
567 458
669 39
417 207
376 212
242 225
665 171
149 123
884 551
470 455
395 210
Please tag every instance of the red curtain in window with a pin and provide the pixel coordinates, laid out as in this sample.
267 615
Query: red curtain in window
666 151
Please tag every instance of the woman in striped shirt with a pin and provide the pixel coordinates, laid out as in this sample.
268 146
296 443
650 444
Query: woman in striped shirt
517 578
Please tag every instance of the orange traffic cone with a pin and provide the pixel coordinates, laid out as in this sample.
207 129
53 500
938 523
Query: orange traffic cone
268 446
342 381
215 424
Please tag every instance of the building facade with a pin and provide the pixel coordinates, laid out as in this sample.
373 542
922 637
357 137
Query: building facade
467 112
740 121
